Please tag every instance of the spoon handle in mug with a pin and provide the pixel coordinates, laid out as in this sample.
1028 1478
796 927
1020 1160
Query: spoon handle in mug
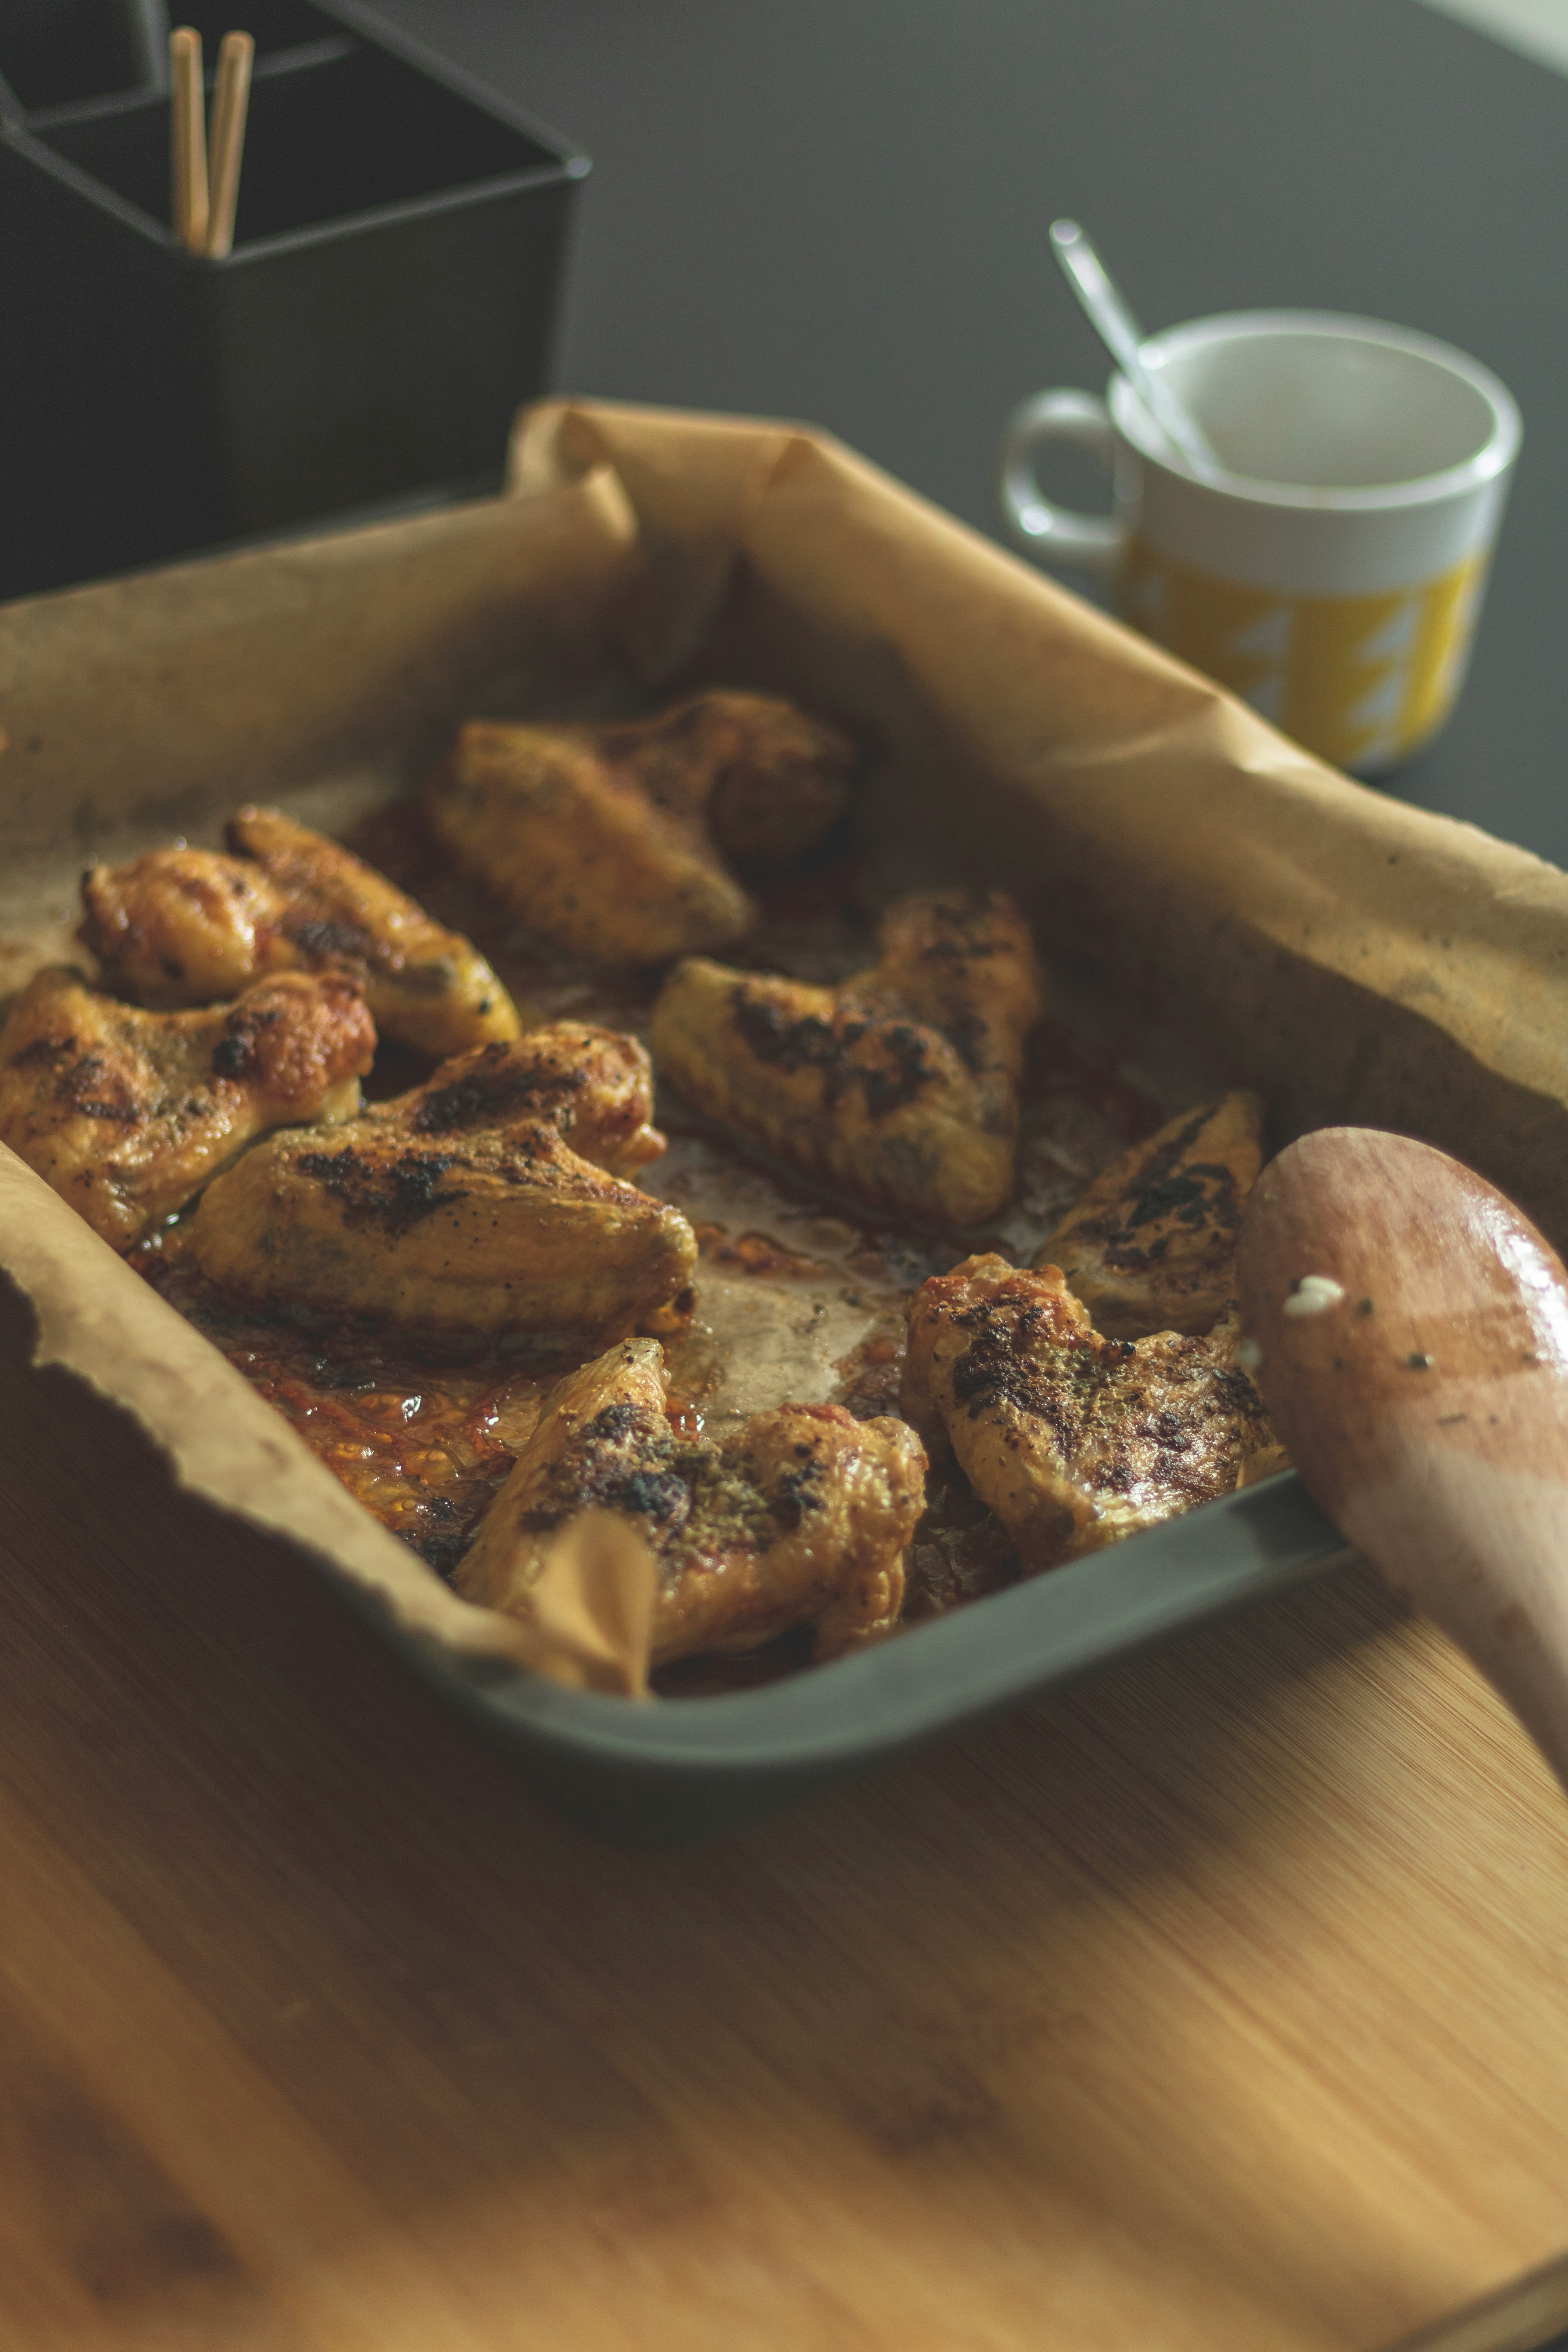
1118 331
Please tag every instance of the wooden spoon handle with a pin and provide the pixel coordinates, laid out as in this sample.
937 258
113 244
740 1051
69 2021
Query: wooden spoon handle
1492 1570
1412 1328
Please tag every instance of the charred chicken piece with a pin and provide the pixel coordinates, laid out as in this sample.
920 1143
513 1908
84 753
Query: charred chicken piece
1151 1245
610 841
767 781
491 1198
1075 1440
902 1085
128 1113
801 1516
191 927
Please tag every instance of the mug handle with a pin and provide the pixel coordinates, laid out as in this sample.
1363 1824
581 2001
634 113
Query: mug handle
1033 522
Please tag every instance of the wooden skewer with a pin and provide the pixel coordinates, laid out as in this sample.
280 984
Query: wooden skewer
189 140
1412 1329
230 100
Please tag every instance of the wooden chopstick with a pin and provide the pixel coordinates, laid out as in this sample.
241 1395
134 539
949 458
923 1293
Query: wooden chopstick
231 99
189 140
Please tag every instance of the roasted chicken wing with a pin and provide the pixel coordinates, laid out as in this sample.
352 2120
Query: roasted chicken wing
610 841
902 1085
801 1516
191 927
128 1113
1075 1440
491 1198
1151 1245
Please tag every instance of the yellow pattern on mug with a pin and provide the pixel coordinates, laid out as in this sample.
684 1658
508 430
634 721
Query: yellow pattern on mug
1360 681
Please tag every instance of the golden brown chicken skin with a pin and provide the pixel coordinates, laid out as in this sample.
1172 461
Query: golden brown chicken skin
902 1085
128 1113
801 1516
1151 1245
768 783
1072 1439
491 1198
610 841
191 927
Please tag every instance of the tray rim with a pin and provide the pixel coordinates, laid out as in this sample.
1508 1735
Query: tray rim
933 1679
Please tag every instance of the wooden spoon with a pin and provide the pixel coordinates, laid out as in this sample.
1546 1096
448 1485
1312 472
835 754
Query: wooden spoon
1412 1329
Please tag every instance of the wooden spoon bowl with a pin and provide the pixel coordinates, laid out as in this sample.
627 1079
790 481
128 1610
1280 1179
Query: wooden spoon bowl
1412 1329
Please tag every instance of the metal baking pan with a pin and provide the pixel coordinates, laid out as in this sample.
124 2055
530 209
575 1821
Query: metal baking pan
1137 811
691 1768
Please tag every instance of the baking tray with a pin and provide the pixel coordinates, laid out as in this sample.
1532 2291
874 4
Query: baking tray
1010 717
691 1768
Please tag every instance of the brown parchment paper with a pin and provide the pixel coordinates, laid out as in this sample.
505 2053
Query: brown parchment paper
323 675
1354 958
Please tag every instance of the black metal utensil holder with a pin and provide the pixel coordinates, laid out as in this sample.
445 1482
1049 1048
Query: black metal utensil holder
388 303
57 53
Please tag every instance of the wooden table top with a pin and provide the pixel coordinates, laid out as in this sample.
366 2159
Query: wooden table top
1216 2003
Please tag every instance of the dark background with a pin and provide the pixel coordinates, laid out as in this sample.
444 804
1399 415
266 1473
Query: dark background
835 210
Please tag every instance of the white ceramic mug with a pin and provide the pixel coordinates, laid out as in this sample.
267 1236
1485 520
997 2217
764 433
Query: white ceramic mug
1331 572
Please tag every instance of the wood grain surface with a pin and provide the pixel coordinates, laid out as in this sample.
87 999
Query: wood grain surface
1216 2004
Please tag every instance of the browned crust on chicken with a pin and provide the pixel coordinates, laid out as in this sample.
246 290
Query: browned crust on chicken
768 782
900 1085
128 1113
802 1515
1151 1245
610 841
1075 1440
182 926
186 926
491 1198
